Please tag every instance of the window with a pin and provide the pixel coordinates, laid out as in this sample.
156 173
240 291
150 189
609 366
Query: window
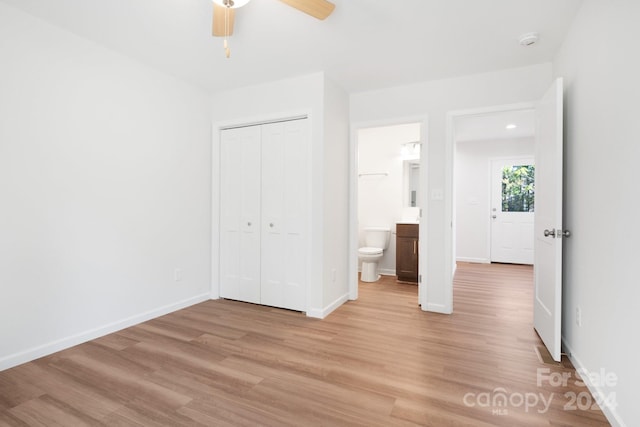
518 188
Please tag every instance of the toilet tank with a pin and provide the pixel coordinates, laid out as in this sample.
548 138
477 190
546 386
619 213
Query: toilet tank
377 237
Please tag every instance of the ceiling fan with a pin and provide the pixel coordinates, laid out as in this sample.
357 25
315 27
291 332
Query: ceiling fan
224 14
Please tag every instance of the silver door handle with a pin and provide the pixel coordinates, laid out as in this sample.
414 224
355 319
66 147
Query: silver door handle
271 224
493 216
551 233
564 233
249 224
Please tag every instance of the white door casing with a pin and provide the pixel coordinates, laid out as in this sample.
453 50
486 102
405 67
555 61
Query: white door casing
547 316
511 232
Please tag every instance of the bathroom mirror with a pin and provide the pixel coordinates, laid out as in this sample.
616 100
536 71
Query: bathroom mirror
411 183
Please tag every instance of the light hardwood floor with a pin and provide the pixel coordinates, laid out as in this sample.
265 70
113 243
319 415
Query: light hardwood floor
378 361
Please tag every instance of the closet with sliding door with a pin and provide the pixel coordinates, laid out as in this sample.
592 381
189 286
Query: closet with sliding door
264 213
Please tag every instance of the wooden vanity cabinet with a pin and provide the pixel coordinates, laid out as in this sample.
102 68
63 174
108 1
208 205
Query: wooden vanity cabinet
407 252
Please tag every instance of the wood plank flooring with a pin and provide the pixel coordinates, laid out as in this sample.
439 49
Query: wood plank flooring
378 361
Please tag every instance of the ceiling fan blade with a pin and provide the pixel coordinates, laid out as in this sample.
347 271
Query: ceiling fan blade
219 16
317 8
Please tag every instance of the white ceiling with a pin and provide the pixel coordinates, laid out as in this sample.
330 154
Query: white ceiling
363 45
493 126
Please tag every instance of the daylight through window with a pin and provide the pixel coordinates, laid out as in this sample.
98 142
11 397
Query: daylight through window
518 188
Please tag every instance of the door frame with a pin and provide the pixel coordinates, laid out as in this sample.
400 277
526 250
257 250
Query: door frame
449 189
216 128
353 199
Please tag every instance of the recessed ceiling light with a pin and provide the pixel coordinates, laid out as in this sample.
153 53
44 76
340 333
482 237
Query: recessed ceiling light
510 126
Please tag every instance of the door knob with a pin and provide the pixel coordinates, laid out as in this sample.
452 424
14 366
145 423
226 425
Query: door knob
271 224
494 216
551 233
249 224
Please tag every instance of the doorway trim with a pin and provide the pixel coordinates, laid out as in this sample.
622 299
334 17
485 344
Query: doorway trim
242 121
449 188
353 199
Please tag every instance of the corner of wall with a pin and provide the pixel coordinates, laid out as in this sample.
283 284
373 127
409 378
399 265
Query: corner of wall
335 194
321 313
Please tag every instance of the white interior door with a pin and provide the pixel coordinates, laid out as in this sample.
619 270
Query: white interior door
240 214
512 213
547 317
284 207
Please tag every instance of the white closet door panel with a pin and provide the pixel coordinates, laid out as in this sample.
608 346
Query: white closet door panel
284 214
230 265
250 215
296 212
294 286
273 176
240 214
229 216
273 179
295 157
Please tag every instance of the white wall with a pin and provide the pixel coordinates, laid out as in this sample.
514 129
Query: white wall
380 198
104 190
319 98
336 197
434 99
473 192
600 65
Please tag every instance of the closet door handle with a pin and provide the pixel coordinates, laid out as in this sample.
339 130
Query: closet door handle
249 224
415 247
271 224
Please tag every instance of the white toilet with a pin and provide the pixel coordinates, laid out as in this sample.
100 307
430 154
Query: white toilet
376 240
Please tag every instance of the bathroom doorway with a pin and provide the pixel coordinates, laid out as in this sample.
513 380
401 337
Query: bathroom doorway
388 187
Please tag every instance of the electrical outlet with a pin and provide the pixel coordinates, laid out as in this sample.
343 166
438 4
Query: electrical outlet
177 274
437 194
578 316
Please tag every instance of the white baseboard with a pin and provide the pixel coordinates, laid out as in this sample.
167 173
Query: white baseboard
64 343
383 271
610 412
387 271
321 313
437 308
474 260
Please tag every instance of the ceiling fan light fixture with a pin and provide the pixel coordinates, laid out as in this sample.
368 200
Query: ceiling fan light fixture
233 4
224 15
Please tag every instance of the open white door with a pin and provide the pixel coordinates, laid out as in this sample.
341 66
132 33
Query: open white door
547 316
